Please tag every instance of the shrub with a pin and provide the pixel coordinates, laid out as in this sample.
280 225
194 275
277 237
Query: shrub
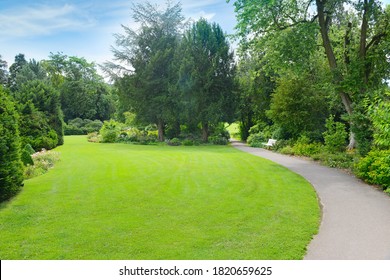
110 131
375 168
221 131
35 129
11 166
47 142
26 155
29 149
307 150
70 129
218 140
131 134
287 150
93 126
335 160
152 136
256 140
46 100
82 127
173 142
188 142
380 115
93 137
335 136
282 143
43 161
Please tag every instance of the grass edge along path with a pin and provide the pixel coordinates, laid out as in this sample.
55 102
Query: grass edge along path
118 201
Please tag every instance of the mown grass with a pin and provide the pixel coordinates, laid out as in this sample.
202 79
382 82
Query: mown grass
118 201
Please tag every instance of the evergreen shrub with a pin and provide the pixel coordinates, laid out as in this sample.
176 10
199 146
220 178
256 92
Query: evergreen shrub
11 166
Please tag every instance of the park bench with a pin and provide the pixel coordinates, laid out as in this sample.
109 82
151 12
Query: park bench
270 143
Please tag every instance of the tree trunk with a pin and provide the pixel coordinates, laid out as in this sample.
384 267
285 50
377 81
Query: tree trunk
325 36
348 107
352 141
363 40
160 127
345 98
205 131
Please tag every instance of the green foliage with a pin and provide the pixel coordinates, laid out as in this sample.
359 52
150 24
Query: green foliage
188 142
35 130
86 99
94 137
82 127
207 74
149 91
130 119
110 131
174 142
375 168
41 114
303 147
29 149
11 166
14 70
297 107
42 162
380 116
145 136
26 155
83 92
286 150
286 34
335 160
256 140
218 140
282 143
362 127
335 136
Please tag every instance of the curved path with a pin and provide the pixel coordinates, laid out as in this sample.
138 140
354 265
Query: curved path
355 216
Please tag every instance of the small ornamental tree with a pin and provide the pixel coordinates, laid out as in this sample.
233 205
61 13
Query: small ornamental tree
11 167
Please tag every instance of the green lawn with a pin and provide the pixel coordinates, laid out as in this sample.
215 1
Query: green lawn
118 201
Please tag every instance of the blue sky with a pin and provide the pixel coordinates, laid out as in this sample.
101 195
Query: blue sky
82 27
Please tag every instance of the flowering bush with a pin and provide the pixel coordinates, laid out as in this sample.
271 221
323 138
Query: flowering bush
43 161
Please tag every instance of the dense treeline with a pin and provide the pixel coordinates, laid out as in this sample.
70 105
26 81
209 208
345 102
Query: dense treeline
313 72
36 100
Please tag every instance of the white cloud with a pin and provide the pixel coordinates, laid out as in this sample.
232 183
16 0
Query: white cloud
203 14
42 20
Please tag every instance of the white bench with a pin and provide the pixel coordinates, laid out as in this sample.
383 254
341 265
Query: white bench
270 143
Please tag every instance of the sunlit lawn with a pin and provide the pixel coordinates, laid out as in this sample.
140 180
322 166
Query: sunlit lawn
120 201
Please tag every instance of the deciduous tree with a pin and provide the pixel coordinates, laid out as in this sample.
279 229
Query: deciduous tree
354 36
